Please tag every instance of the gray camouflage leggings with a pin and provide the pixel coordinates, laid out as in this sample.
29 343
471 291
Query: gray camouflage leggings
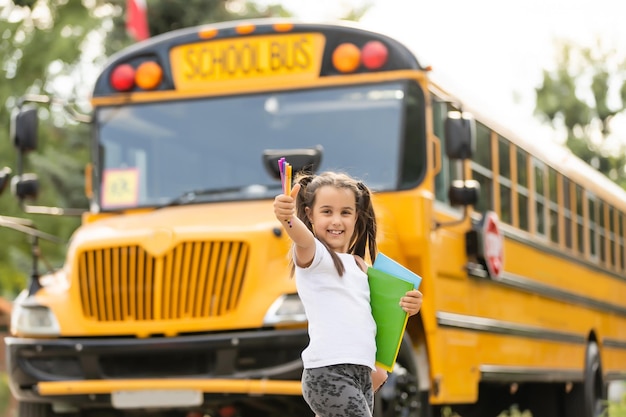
339 390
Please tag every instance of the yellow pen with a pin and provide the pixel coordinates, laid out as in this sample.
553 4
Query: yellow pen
288 180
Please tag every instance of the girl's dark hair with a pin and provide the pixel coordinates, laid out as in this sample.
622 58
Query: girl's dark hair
364 237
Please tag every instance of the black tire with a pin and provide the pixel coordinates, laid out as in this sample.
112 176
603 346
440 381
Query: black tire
588 399
595 392
34 410
400 396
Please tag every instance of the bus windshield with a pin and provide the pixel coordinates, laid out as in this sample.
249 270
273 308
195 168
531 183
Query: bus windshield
151 154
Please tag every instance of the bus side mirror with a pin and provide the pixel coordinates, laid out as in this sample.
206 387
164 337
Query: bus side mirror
24 129
5 175
459 135
25 186
464 193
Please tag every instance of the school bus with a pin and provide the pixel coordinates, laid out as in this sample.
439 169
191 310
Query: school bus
176 297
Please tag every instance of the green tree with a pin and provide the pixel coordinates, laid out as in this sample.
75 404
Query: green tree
5 394
167 15
40 50
582 95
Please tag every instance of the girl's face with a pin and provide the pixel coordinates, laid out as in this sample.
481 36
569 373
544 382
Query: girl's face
334 216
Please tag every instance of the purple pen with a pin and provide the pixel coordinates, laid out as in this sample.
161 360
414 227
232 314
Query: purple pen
281 169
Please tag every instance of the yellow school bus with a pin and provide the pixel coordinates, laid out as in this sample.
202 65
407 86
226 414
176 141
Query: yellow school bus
176 298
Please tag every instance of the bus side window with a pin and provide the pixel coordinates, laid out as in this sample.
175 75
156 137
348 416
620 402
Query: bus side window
504 180
612 238
541 205
523 208
482 170
593 244
580 216
553 205
621 238
602 232
567 212
447 173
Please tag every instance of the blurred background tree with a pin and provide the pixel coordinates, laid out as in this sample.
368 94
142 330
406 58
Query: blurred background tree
166 15
40 50
582 95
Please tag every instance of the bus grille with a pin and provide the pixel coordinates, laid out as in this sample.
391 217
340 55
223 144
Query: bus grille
193 280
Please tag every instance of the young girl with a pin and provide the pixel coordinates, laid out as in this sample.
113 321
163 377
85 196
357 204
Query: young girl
330 219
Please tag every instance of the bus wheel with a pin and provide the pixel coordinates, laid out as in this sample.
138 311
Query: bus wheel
34 410
594 389
400 395
589 398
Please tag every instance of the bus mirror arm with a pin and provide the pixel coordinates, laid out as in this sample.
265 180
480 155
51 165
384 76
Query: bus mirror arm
53 211
27 227
453 222
25 186
45 99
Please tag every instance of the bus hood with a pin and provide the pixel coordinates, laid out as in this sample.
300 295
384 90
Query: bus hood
235 220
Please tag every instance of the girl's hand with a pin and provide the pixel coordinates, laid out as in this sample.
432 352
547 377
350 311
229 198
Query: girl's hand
379 377
285 205
412 302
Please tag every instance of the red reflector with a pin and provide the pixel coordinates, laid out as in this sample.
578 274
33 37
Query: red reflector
123 77
374 55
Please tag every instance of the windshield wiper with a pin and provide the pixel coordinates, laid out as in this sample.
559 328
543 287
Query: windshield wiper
191 196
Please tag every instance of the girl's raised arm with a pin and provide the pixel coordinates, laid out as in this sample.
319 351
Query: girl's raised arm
303 239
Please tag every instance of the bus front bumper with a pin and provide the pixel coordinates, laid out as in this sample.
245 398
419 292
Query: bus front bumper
178 371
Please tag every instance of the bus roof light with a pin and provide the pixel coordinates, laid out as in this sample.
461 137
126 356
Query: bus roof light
123 77
374 55
245 28
283 27
149 75
207 33
347 57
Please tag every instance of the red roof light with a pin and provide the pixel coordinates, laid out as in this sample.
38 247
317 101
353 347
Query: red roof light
123 77
374 55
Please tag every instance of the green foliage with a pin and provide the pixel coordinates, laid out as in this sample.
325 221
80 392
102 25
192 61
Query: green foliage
582 95
168 15
5 394
40 46
447 412
617 408
514 411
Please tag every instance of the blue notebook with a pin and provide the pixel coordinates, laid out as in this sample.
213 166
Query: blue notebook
388 265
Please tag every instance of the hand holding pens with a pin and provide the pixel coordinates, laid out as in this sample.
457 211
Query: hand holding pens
285 177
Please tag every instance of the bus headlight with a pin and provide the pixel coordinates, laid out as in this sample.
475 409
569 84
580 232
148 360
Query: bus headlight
30 319
287 309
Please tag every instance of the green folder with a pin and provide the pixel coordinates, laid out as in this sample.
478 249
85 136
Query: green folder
385 293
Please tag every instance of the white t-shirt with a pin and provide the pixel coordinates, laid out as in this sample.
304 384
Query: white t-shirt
341 326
